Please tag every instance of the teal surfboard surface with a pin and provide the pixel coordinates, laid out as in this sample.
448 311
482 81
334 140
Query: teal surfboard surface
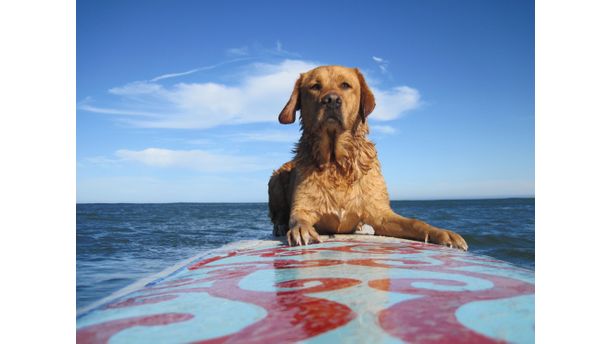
350 288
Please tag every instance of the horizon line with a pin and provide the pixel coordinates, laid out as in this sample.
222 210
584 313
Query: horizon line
393 200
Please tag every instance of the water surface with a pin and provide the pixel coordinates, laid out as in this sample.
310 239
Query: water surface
118 244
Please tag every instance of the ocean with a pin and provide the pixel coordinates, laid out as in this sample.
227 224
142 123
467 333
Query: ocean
117 244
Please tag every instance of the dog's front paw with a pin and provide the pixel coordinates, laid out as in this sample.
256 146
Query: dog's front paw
447 238
302 235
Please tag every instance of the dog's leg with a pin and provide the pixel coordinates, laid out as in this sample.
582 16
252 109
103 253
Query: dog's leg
279 198
398 226
281 225
278 208
301 229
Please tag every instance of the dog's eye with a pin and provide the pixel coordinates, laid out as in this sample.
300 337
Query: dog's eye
345 86
315 87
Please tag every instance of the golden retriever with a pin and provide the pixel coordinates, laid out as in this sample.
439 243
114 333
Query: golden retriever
334 183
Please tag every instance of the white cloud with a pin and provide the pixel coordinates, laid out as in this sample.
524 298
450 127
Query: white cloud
111 111
280 51
136 88
102 161
201 142
266 136
191 159
257 97
384 129
151 188
199 69
242 51
391 104
382 64
174 75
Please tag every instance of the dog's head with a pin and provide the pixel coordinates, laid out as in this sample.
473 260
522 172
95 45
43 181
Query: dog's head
330 98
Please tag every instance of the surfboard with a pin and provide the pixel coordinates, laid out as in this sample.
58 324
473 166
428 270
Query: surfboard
349 289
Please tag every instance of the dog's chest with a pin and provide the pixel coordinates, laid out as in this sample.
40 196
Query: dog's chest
333 194
339 209
338 221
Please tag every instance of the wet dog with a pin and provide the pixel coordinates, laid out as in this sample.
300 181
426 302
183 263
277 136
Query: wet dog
334 183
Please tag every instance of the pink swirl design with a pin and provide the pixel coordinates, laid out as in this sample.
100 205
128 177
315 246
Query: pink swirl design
293 315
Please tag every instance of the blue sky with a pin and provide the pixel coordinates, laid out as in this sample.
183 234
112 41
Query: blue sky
177 101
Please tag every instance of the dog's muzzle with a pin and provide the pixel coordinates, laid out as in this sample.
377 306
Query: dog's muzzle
332 101
333 117
333 104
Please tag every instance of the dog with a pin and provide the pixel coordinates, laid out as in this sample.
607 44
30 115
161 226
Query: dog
334 183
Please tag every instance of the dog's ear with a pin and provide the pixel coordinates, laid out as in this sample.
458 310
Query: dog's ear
367 101
287 116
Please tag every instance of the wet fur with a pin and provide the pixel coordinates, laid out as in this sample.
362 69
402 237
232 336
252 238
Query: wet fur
335 183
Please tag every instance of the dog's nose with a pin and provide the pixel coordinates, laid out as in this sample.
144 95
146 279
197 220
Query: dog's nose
332 100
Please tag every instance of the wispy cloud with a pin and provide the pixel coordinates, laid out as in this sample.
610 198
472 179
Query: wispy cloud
242 51
101 160
383 129
200 69
383 64
84 105
200 142
282 52
258 96
266 136
391 104
195 159
259 51
152 188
